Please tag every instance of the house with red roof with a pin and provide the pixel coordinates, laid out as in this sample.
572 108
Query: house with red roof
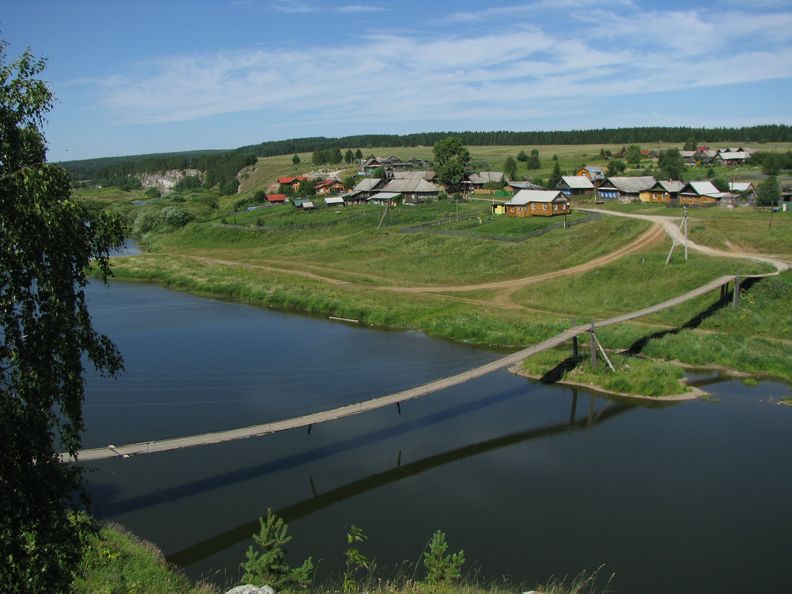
276 198
293 181
328 186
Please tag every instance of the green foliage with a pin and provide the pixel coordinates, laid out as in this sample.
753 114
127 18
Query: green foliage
267 564
350 181
349 156
671 164
442 567
330 156
555 177
153 193
358 154
145 222
533 161
176 217
296 160
616 167
690 145
355 561
633 155
768 192
522 157
510 168
450 160
188 182
47 241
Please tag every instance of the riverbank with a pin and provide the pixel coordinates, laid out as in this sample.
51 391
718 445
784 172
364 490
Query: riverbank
116 560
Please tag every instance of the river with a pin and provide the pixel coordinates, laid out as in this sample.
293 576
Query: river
531 480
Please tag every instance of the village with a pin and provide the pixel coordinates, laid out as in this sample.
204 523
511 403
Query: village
390 181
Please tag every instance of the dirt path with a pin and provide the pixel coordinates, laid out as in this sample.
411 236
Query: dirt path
671 227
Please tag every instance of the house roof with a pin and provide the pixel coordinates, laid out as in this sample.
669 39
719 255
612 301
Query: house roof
425 174
702 188
577 182
308 204
733 155
487 177
524 197
630 185
276 197
367 184
594 171
740 186
290 179
385 196
673 186
410 185
524 185
352 194
326 183
687 154
335 200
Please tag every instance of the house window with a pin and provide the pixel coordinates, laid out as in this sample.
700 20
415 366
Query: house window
544 206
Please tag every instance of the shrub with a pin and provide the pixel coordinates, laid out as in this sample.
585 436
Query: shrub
148 220
441 567
176 217
268 566
153 193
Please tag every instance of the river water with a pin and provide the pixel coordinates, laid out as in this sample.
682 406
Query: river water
531 480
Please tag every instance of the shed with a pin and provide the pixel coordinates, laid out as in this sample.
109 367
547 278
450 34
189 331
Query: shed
334 201
276 198
381 198
626 189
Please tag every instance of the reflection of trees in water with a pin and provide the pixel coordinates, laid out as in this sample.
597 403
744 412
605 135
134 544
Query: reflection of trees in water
319 501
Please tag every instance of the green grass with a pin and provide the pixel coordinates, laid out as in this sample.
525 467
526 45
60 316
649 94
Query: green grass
494 226
117 561
634 282
632 376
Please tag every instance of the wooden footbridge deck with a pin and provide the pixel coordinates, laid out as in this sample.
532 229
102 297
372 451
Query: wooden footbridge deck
175 443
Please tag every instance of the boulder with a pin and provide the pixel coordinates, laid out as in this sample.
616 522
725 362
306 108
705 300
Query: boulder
250 589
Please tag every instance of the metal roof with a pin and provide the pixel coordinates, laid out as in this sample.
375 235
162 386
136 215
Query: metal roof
367 184
630 185
733 155
487 177
385 196
523 197
334 200
427 175
740 186
703 188
410 185
524 185
672 185
577 182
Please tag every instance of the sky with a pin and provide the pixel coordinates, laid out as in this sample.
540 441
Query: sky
158 76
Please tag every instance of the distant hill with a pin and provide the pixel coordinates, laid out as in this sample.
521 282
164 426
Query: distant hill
223 165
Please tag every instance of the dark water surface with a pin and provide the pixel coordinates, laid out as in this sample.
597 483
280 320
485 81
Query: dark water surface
531 480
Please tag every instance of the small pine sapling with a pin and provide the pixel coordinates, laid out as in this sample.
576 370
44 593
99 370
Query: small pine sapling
441 567
355 560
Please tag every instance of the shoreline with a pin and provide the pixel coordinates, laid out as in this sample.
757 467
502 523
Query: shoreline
693 394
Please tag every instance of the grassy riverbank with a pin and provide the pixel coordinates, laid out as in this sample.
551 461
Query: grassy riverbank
117 561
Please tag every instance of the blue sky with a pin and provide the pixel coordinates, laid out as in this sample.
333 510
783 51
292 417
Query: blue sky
144 76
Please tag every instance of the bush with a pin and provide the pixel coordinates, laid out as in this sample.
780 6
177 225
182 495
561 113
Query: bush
146 221
176 217
268 565
177 198
188 182
442 568
153 193
208 200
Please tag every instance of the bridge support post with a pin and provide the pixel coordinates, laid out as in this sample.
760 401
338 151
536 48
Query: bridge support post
723 290
575 348
736 294
593 347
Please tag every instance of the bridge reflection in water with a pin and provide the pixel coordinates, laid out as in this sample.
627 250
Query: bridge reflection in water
594 416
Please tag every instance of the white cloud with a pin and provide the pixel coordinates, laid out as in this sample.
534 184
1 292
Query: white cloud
525 70
360 8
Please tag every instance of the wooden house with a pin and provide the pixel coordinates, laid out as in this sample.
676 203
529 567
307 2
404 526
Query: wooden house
413 190
744 191
699 193
276 198
516 186
537 203
425 174
626 189
731 158
369 186
328 186
353 197
594 174
484 181
663 191
293 181
574 185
